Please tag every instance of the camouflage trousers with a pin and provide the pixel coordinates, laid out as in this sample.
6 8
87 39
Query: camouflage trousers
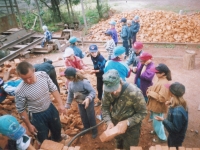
129 138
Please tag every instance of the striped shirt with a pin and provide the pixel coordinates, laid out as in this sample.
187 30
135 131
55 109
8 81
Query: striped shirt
110 45
35 96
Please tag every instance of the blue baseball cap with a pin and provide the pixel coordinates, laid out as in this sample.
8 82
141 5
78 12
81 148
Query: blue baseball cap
136 18
10 127
112 23
93 48
109 32
123 20
73 39
119 50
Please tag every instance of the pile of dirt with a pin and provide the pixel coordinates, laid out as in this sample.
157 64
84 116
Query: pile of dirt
156 26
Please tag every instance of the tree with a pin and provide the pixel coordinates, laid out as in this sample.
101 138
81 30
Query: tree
99 8
83 12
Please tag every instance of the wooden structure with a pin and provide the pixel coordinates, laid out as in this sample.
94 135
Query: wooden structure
159 147
189 60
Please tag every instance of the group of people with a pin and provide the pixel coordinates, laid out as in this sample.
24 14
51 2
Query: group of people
120 100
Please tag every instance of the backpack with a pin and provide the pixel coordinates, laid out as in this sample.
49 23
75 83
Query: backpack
10 86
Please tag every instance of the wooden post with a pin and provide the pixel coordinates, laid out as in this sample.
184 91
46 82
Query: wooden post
189 59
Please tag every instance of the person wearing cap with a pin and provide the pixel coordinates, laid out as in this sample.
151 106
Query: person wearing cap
129 23
73 61
82 91
77 51
176 122
125 35
157 95
47 67
136 52
118 64
114 31
32 96
144 76
10 127
110 44
99 65
123 101
135 27
47 35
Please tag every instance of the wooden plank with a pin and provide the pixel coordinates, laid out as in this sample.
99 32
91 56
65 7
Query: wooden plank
65 148
71 148
188 148
181 148
158 147
152 148
77 148
195 149
135 148
165 147
19 46
172 148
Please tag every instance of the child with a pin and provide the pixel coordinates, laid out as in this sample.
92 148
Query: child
99 64
137 51
177 118
157 95
118 64
73 61
129 22
82 91
10 127
144 76
77 52
125 36
114 32
135 28
47 35
110 44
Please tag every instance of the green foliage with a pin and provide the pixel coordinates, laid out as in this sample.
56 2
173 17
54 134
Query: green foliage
75 2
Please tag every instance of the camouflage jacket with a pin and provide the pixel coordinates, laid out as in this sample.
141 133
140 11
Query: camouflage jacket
130 105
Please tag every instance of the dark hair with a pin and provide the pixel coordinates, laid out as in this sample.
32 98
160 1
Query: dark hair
73 44
168 75
24 67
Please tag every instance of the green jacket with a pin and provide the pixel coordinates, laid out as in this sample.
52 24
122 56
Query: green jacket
130 105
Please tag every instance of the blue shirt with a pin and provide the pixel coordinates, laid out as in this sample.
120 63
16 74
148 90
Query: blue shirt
77 51
114 35
47 35
46 66
124 33
99 64
135 27
120 66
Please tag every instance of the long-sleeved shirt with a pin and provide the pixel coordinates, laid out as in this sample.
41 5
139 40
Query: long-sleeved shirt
176 122
146 77
135 27
114 35
35 96
77 51
46 66
110 45
76 63
120 66
83 87
133 60
47 35
124 33
130 105
99 64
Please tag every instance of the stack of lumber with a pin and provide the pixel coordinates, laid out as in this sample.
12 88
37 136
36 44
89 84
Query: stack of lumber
156 26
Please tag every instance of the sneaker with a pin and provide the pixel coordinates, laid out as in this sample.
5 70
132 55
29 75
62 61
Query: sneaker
64 136
159 141
94 135
97 104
